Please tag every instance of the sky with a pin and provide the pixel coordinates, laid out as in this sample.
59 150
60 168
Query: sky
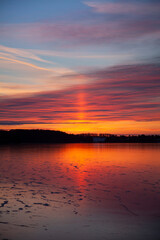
80 66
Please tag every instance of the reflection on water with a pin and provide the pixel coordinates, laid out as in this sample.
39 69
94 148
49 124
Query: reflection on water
80 191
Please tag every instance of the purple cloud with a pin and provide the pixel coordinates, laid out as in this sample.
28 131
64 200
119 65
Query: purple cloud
120 93
88 32
138 8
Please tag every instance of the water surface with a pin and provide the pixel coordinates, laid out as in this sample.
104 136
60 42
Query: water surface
80 191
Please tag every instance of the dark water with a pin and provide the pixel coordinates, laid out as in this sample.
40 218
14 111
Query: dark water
80 192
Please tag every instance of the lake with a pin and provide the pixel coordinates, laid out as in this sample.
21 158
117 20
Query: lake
80 191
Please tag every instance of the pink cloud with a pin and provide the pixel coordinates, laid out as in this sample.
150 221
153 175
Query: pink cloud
125 8
122 93
88 33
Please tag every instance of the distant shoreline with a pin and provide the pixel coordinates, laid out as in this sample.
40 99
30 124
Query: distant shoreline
50 136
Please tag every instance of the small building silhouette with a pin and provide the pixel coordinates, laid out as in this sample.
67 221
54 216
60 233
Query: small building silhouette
99 139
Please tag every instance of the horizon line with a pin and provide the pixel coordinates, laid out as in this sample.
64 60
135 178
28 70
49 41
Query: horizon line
84 133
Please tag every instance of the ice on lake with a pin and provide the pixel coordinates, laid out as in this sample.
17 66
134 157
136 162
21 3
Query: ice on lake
80 191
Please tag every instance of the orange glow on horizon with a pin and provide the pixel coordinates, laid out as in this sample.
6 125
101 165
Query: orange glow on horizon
88 126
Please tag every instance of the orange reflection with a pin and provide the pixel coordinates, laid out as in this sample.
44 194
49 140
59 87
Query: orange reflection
60 181
88 171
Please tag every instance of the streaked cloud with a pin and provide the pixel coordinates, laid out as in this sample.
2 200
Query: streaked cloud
117 94
24 63
64 33
125 7
21 56
27 54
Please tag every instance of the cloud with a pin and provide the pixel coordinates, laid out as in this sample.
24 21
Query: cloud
121 7
21 57
24 63
114 94
17 52
64 34
23 71
12 123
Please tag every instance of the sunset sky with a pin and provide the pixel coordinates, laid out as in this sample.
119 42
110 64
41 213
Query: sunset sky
80 66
